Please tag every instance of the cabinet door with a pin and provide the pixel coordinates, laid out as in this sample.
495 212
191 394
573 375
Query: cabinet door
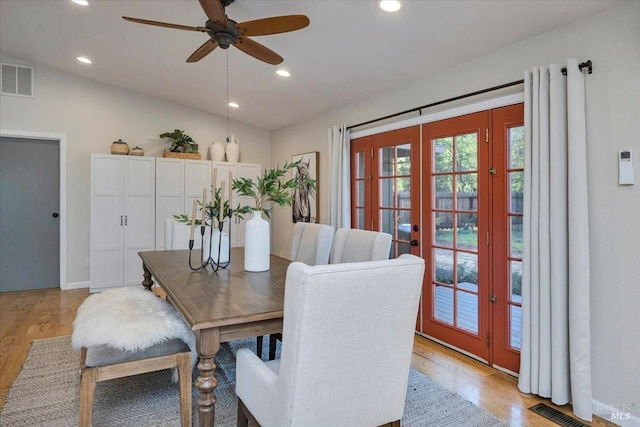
107 221
169 194
247 170
139 211
197 176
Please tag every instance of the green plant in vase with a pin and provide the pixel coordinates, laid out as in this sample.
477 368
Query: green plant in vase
180 142
273 186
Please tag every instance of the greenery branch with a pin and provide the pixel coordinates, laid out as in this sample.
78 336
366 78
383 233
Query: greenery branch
209 213
272 186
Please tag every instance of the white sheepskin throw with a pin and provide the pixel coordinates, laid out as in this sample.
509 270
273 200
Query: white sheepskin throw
129 318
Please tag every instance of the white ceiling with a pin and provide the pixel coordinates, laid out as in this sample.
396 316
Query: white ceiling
350 50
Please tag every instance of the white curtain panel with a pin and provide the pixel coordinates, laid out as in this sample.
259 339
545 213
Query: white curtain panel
339 175
555 360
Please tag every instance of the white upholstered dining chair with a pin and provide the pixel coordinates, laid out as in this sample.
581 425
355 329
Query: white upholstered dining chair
311 244
353 245
331 372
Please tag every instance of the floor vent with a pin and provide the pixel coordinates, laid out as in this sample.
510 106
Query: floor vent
16 80
556 416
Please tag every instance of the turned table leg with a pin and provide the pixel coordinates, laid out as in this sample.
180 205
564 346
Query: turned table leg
148 281
208 344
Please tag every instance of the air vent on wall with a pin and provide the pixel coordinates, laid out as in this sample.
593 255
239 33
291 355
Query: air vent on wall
17 80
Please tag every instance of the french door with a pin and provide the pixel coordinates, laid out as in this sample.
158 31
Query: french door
465 220
385 182
456 212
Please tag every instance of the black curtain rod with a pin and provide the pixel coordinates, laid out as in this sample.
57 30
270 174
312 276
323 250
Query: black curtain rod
586 64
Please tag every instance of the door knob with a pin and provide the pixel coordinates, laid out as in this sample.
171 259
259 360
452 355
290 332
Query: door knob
414 243
55 215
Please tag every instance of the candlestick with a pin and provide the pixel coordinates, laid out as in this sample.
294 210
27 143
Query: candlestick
204 203
230 189
221 199
193 218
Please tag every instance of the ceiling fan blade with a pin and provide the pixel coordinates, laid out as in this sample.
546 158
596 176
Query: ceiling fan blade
214 11
204 50
258 51
165 24
274 25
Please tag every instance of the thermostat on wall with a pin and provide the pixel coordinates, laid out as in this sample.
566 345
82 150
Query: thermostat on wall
625 171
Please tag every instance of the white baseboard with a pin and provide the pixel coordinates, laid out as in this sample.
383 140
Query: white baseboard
618 413
75 285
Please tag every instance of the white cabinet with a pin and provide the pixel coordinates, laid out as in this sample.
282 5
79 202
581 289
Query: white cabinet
122 212
238 170
178 183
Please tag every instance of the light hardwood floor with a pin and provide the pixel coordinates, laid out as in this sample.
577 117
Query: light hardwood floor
25 316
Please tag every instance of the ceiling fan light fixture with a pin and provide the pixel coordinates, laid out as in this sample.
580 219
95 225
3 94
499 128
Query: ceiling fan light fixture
283 73
233 104
83 59
390 5
81 2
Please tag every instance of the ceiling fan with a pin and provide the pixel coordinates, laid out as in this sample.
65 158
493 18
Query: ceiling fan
225 32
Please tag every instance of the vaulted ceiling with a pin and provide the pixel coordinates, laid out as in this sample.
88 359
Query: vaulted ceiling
350 50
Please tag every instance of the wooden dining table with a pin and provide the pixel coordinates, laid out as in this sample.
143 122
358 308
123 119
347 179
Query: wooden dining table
218 306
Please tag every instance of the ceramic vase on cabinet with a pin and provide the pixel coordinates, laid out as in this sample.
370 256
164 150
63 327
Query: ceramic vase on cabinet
257 247
216 151
233 150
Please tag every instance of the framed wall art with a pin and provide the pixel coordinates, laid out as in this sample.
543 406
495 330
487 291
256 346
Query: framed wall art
305 207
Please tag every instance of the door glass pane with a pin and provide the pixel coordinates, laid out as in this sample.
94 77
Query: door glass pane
360 190
443 228
516 147
404 231
467 271
515 269
360 165
467 231
360 223
515 236
443 154
515 191
443 265
467 311
443 304
515 325
386 192
403 248
404 160
387 161
404 219
467 152
387 221
403 188
443 192
466 187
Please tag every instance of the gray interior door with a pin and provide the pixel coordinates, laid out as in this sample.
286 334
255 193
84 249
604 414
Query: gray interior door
29 219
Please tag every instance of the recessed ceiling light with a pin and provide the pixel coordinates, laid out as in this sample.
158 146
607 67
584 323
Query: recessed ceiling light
234 105
390 5
283 73
83 59
81 2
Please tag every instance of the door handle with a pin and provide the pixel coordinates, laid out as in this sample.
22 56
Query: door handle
120 220
55 215
414 243
125 220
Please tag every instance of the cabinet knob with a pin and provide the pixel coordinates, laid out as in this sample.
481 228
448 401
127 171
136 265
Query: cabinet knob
55 215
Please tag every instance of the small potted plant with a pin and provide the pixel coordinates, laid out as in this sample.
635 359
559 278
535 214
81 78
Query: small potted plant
273 186
181 143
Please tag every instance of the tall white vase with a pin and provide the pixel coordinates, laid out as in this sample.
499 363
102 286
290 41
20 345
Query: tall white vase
257 247
233 150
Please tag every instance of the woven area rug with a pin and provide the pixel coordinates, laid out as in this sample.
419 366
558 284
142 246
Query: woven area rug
46 394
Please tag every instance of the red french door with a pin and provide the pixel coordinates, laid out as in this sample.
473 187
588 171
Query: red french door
385 183
455 224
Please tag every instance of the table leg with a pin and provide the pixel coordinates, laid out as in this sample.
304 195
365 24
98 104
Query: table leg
208 344
148 281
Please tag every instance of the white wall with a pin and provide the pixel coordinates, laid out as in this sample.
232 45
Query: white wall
612 41
92 115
